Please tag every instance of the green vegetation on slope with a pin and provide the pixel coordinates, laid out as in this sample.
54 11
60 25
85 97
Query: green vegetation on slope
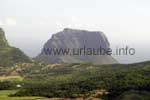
10 55
3 41
110 82
84 80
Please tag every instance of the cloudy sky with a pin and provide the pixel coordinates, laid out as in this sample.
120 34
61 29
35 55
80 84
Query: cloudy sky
30 23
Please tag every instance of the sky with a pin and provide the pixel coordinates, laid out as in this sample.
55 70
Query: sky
28 24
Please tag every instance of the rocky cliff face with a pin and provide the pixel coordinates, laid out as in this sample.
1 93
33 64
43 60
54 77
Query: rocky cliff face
10 55
78 42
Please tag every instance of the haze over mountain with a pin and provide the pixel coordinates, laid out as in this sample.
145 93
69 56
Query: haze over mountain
125 22
75 40
10 55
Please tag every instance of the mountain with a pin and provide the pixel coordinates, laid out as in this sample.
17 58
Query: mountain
10 55
79 44
3 41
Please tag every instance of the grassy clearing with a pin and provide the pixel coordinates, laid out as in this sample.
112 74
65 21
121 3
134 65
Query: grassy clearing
4 95
4 78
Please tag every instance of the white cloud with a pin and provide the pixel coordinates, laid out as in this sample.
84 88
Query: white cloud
42 23
1 23
74 19
10 21
59 24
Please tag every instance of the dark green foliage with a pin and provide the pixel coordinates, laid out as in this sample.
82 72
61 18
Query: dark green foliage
80 80
134 95
7 85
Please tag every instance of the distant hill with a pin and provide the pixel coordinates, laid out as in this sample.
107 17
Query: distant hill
10 55
76 40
